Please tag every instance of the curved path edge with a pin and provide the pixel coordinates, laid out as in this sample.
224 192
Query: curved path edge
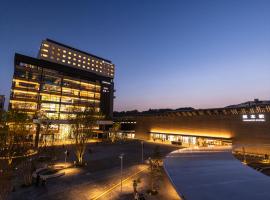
214 173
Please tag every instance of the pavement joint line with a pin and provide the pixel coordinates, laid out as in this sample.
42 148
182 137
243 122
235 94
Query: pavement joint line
112 188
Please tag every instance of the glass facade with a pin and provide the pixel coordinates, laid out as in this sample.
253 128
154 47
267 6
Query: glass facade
186 140
35 88
58 96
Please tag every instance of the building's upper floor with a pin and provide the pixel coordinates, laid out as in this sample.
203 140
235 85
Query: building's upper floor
66 55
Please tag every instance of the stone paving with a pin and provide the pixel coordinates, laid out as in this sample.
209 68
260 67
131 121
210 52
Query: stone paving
101 174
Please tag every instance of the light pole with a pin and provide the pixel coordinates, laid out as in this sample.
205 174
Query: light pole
121 158
66 152
142 151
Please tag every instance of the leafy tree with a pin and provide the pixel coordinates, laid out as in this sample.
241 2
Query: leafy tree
83 127
136 182
114 130
16 141
155 170
15 145
5 184
42 121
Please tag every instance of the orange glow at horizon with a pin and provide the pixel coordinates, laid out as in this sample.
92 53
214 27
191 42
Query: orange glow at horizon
202 133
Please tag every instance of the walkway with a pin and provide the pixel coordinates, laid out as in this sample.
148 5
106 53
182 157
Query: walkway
213 173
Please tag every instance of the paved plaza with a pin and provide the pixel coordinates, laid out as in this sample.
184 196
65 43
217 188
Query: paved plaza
100 179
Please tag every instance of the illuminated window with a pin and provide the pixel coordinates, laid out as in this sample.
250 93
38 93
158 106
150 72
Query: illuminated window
83 66
75 54
50 106
46 45
92 68
79 60
58 54
69 57
44 55
63 61
74 63
69 53
84 57
252 116
83 61
23 105
261 116
57 59
93 65
88 67
46 97
79 56
64 56
45 50
79 65
88 59
64 51
88 63
74 59
69 62
58 49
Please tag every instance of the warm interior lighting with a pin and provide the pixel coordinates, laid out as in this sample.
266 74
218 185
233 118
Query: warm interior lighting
45 50
23 81
24 92
202 133
21 101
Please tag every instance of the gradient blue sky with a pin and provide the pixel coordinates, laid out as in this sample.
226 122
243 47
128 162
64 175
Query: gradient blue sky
168 54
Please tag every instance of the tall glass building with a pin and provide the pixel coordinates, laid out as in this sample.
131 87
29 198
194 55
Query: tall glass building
61 81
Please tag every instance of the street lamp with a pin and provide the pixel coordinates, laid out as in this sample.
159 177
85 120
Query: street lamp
121 158
66 152
142 151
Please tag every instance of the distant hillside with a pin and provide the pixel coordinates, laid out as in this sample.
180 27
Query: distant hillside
150 111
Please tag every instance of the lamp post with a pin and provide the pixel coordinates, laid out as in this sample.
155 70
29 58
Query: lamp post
142 151
66 152
121 158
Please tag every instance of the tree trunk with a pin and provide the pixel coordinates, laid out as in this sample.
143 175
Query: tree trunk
37 135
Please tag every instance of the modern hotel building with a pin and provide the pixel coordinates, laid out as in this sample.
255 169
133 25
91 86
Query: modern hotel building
61 81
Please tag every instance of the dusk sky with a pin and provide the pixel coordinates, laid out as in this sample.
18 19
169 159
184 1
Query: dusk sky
168 54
